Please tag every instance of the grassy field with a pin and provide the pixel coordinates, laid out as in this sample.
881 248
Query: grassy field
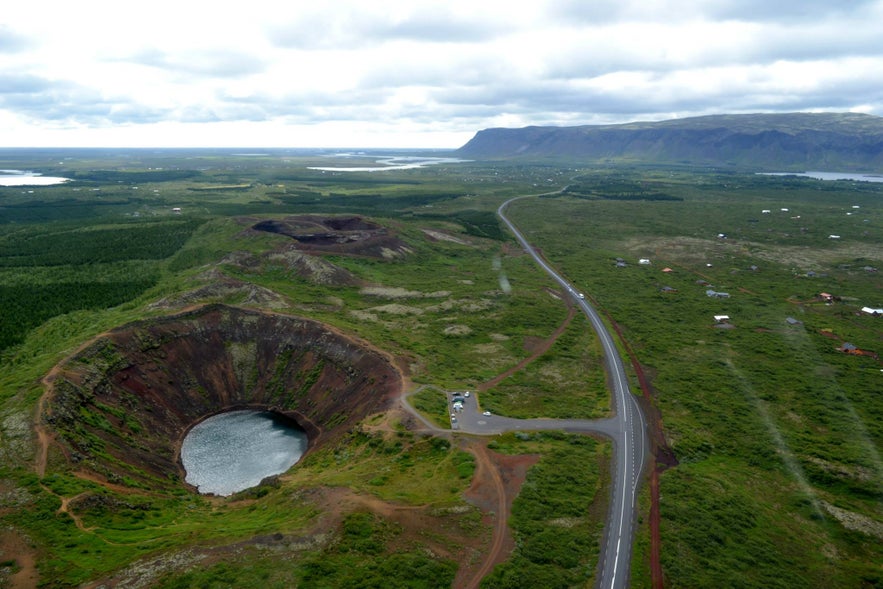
777 433
558 517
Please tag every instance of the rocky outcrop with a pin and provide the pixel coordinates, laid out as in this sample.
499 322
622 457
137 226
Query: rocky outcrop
121 406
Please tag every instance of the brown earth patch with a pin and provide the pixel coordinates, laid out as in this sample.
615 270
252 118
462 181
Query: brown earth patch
533 343
14 547
495 484
497 481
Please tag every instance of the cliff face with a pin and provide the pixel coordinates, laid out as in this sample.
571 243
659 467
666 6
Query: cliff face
795 141
121 407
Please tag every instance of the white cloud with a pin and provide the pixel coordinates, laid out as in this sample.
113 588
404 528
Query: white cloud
417 72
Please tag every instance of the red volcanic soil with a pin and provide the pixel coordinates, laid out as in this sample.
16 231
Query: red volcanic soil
121 406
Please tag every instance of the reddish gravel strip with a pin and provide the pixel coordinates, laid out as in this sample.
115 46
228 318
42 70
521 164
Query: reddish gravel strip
656 577
662 457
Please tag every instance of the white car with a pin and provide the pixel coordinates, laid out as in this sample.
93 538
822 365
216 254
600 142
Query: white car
486 413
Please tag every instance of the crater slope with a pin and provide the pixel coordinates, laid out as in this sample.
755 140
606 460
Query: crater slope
121 406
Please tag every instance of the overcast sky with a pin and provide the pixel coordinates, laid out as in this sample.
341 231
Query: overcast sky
416 73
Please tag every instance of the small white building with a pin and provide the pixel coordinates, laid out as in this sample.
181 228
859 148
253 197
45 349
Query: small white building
872 311
721 318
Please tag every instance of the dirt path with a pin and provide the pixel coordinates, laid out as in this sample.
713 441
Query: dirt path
65 508
538 351
486 474
495 484
497 481
44 437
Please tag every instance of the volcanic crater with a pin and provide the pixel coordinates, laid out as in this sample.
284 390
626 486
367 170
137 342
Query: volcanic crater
122 405
344 235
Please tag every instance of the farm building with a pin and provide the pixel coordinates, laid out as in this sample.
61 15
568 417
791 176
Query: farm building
722 322
853 350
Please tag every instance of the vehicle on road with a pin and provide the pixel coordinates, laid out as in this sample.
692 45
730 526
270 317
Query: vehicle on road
486 413
629 443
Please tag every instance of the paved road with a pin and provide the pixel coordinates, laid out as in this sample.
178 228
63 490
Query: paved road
472 421
627 430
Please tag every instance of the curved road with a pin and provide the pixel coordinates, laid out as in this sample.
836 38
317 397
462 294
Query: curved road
627 430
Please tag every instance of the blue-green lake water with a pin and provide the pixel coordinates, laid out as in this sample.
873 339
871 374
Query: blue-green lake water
233 451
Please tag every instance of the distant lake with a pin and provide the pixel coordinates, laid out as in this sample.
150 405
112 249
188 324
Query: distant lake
22 178
830 176
233 451
395 162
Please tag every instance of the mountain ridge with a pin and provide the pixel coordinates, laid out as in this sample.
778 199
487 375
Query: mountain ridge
784 141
